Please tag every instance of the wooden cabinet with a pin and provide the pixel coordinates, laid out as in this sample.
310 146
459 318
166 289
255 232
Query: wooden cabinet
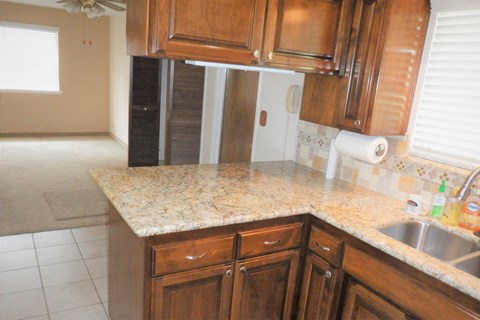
320 293
374 96
308 35
362 304
300 34
196 294
265 286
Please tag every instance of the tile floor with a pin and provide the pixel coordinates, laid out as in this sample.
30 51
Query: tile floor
54 275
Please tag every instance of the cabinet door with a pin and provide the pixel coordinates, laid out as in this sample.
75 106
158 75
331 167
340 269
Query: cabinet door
363 304
265 286
363 62
320 291
307 35
218 30
198 294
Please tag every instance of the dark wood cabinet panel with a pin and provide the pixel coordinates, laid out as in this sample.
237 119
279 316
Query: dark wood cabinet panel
197 294
264 287
320 293
375 95
208 30
362 304
305 34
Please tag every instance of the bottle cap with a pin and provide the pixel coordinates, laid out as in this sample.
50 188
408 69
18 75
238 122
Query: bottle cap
442 186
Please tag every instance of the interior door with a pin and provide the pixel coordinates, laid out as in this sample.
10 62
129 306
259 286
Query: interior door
239 116
184 113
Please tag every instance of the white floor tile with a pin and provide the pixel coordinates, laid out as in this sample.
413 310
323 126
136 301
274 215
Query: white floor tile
105 305
98 267
53 238
94 312
45 317
90 233
58 254
22 305
15 243
17 260
19 280
71 295
60 273
101 284
93 249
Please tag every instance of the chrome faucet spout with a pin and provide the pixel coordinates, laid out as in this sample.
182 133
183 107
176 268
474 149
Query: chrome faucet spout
467 185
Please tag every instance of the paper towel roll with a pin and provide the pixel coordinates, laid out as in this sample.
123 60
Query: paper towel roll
361 147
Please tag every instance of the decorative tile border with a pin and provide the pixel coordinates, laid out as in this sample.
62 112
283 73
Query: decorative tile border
397 175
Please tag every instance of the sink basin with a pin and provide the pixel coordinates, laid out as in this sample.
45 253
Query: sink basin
471 265
431 239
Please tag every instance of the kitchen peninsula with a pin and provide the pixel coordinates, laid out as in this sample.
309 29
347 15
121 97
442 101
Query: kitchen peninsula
205 236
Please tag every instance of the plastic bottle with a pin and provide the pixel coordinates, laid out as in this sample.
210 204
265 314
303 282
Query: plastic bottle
453 207
439 200
470 216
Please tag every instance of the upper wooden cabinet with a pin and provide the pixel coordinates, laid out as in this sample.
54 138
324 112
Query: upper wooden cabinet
375 95
305 34
299 34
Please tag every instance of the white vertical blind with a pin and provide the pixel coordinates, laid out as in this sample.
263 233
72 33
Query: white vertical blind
447 124
28 58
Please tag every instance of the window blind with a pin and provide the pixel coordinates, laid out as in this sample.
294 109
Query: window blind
28 58
447 124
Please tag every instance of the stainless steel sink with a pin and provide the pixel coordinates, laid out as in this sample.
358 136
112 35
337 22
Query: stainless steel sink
431 239
470 265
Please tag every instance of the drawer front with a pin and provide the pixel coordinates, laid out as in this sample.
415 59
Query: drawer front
267 240
193 254
325 246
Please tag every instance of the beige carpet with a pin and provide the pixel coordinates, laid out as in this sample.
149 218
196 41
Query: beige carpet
45 184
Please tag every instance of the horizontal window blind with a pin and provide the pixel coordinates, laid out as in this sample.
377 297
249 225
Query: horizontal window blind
28 58
447 124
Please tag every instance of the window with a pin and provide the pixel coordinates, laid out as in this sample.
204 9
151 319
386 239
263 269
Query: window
28 58
446 126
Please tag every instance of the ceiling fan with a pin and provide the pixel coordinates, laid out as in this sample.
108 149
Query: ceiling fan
93 8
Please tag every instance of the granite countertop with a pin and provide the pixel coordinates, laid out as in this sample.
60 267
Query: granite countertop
159 200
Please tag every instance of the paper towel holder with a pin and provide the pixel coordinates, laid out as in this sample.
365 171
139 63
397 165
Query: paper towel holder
380 150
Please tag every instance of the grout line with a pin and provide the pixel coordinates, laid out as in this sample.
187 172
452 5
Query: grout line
43 287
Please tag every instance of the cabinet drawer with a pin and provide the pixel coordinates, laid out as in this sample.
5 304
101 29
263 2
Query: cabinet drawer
267 240
325 246
193 254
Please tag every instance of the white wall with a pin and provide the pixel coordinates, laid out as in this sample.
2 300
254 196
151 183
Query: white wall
277 140
212 115
119 78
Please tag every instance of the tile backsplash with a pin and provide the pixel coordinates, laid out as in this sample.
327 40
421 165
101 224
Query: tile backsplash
397 175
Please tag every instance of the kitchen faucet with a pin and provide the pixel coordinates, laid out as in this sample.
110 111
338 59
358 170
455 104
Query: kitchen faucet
467 185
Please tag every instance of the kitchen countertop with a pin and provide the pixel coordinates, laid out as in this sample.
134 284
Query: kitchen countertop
159 200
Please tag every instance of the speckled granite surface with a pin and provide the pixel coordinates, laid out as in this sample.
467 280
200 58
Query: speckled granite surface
158 200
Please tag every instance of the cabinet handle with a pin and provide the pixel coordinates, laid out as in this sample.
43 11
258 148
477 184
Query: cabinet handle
270 55
229 273
196 257
322 247
271 243
243 270
256 54
328 274
357 123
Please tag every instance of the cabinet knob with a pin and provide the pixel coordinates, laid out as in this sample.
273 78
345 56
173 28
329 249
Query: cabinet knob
243 270
328 274
229 273
357 123
256 54
270 55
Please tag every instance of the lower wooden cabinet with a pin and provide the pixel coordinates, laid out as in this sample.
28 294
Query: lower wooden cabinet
265 286
320 291
362 304
197 294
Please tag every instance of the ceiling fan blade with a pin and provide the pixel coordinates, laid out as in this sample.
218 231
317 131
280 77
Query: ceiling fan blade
110 5
118 1
64 1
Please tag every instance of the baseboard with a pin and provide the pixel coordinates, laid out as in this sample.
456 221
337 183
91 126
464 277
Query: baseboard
52 134
114 137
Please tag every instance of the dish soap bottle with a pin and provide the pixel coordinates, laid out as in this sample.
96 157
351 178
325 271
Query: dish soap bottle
439 200
470 217
451 213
